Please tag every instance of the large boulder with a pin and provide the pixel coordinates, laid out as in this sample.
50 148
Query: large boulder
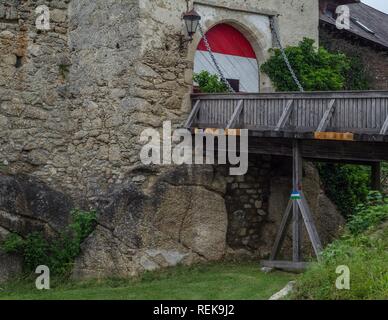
28 205
180 218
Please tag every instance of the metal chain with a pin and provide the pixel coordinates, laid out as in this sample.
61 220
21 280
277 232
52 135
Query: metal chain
275 30
222 76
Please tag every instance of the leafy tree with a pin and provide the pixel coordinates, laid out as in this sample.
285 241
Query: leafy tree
316 69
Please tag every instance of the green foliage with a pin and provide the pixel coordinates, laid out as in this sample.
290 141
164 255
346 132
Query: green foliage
57 253
346 185
3 168
210 83
363 248
357 77
317 69
64 70
13 244
384 176
370 214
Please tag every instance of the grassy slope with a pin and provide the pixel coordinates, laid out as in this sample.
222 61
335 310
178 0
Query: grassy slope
365 254
215 281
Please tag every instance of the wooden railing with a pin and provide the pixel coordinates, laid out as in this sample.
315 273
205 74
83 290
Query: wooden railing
362 112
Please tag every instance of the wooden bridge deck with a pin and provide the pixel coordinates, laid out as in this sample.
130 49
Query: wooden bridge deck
326 122
364 113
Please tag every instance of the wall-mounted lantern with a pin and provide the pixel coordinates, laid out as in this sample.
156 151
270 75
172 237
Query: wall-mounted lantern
191 19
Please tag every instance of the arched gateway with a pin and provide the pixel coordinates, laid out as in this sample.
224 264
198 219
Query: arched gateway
233 53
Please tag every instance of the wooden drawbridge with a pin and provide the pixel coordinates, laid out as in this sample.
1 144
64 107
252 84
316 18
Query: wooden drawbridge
320 126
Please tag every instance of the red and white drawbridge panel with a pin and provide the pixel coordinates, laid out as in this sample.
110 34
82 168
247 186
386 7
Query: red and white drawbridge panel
233 53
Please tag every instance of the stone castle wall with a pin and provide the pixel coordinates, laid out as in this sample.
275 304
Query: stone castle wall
74 99
73 102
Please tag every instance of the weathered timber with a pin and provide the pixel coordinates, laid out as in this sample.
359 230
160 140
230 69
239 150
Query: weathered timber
282 232
285 115
285 265
362 113
297 172
301 213
326 117
236 115
193 114
338 151
384 128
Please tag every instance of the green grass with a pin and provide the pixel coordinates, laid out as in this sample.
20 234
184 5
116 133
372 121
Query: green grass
365 254
226 281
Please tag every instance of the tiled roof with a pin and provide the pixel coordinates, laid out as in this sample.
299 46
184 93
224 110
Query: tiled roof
368 19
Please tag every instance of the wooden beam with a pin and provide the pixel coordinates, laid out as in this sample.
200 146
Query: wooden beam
326 116
341 136
322 149
192 115
296 219
281 232
285 265
236 115
310 226
285 115
384 128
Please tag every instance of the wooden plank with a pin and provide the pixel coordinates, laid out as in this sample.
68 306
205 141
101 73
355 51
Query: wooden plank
296 95
192 115
296 185
285 115
310 226
236 115
326 116
384 128
356 112
286 265
344 136
281 232
296 234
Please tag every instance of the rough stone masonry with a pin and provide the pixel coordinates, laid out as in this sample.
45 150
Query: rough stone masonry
73 102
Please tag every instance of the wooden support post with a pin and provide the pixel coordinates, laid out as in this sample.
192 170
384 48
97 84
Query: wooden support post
282 231
310 226
296 218
300 213
376 176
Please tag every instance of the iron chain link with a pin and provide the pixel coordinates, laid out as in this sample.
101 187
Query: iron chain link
275 30
217 66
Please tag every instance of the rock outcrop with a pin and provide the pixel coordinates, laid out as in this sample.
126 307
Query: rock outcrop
181 215
181 218
28 205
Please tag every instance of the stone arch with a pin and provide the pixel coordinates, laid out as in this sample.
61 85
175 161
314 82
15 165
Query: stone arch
256 37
